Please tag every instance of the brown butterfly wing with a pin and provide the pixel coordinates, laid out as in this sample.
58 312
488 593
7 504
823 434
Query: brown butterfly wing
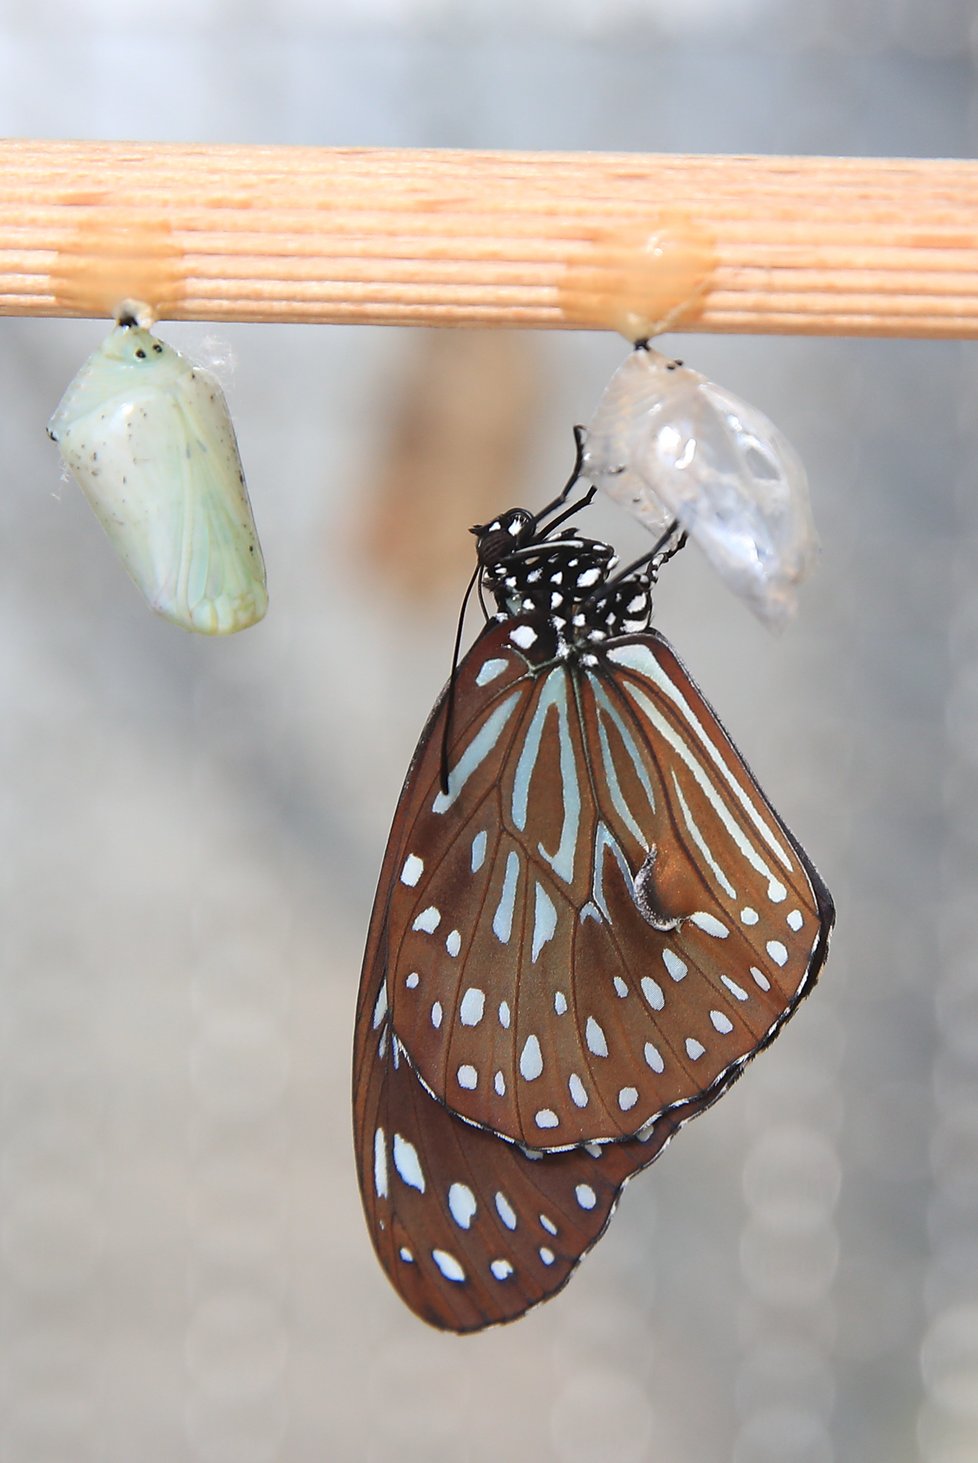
603 917
471 1230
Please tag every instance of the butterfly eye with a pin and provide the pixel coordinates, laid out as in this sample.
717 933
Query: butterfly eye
588 920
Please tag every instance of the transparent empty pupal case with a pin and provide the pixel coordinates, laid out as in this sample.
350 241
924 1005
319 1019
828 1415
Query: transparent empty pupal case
148 437
667 443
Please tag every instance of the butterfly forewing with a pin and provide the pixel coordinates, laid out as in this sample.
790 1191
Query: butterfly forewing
603 916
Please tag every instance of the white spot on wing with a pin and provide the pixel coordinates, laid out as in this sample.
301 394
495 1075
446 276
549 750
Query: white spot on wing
694 1048
776 892
547 1255
531 1059
721 1022
709 924
504 1015
436 1015
472 1007
760 978
777 952
501 1269
479 851
380 1164
546 1118
499 1083
505 1210
548 1224
544 921
380 1009
467 1077
408 1164
453 943
489 670
577 1091
621 989
653 1057
794 920
585 1196
560 1002
749 916
502 920
428 920
627 1098
411 980
412 870
448 1265
652 991
677 968
734 988
595 1038
461 1204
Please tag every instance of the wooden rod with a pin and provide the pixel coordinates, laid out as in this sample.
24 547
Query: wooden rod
813 246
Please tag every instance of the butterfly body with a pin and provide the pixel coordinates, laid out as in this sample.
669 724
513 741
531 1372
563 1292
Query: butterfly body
588 920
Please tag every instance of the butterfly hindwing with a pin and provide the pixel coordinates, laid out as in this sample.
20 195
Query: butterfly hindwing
471 1230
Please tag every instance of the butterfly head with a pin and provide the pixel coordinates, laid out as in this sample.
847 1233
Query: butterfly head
498 540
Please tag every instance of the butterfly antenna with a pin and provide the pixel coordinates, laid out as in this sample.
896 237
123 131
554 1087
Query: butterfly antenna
580 436
450 700
574 508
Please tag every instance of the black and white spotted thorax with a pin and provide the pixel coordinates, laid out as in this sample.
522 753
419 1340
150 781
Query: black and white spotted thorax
563 582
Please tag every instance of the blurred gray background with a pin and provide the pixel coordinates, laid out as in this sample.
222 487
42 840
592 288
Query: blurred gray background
191 830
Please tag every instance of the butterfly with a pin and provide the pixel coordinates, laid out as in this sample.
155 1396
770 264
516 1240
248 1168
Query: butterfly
588 920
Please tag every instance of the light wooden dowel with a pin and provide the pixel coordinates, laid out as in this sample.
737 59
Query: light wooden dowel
826 246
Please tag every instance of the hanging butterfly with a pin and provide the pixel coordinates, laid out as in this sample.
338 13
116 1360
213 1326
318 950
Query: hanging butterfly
588 920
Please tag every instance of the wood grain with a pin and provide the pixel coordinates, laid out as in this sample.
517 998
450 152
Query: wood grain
818 246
